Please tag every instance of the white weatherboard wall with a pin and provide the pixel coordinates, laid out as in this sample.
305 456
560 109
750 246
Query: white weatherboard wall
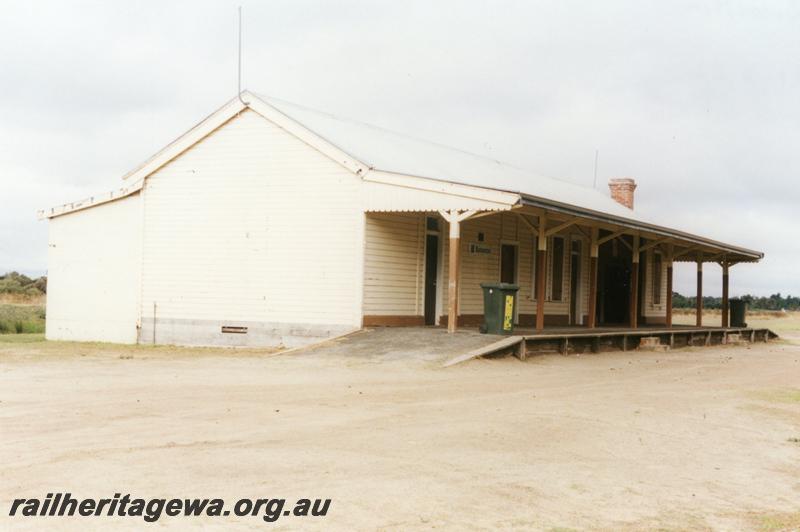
480 268
394 267
394 276
94 262
251 227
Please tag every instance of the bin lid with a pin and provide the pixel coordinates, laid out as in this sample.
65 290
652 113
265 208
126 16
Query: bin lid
501 286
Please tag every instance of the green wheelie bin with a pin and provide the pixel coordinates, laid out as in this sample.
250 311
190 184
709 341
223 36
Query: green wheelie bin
499 306
738 313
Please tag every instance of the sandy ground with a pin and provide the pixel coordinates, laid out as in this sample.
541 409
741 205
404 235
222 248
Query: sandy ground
692 439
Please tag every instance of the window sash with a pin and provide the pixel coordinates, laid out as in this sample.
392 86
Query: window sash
657 278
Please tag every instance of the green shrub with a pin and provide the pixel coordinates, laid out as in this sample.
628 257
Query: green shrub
21 319
32 327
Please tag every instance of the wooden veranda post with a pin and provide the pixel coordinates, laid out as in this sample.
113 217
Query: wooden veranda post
634 302
541 267
725 320
454 219
591 320
668 320
699 303
452 277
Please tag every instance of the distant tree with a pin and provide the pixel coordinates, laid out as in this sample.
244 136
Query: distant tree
773 302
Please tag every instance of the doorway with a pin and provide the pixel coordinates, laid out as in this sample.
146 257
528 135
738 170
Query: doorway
508 270
508 263
431 273
614 284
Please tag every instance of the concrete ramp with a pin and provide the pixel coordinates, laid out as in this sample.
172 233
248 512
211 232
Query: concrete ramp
407 345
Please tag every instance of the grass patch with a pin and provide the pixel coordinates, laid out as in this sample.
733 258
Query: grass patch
784 395
780 323
21 338
778 522
37 344
21 318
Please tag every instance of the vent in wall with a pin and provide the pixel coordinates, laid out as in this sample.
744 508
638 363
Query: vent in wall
233 329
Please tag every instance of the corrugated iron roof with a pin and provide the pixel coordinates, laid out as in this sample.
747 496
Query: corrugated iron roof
390 151
395 152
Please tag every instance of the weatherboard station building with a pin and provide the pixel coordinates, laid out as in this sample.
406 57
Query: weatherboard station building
269 223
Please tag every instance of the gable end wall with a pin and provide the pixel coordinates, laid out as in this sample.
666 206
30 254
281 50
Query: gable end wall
251 227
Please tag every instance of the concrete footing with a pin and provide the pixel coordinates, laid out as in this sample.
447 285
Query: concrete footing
236 333
652 343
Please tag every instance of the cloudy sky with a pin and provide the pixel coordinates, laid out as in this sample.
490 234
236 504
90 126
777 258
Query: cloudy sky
699 102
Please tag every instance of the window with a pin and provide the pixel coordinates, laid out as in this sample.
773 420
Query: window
432 224
557 277
656 278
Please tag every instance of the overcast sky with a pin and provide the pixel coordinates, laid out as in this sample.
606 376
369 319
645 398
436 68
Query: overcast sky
699 102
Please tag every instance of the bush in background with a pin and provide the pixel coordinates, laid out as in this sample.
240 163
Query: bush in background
20 284
21 307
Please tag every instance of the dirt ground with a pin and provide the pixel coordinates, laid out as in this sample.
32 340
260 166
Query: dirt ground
701 438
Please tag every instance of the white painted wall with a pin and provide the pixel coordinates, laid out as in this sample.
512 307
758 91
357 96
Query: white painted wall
251 226
394 264
94 262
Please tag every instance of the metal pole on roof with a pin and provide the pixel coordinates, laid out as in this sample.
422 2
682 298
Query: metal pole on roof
239 91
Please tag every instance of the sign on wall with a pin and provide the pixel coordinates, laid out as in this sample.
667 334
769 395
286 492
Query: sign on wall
477 248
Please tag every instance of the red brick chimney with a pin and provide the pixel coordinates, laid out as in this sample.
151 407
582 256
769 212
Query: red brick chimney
622 190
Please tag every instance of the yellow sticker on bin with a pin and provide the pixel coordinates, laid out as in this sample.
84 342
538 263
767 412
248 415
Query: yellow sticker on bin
508 315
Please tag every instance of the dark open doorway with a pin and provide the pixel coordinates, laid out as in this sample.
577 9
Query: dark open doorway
431 274
614 284
508 263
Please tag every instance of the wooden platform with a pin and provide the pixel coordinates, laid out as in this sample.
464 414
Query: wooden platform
613 339
573 340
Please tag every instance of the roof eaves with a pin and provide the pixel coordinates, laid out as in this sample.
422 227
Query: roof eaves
188 139
92 201
564 208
